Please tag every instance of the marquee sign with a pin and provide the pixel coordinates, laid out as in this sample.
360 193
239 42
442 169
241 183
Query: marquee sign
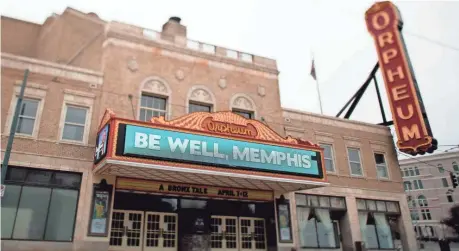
193 190
217 142
158 143
410 119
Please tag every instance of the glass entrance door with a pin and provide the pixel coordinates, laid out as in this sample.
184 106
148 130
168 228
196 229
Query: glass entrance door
252 233
224 233
126 231
160 232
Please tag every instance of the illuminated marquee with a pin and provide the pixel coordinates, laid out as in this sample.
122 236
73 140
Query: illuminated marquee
410 120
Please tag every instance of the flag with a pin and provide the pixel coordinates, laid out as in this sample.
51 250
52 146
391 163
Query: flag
313 70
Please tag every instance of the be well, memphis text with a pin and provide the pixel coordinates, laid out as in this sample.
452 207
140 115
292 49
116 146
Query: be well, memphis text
202 148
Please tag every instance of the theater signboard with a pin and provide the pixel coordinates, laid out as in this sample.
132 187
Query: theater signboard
220 143
410 119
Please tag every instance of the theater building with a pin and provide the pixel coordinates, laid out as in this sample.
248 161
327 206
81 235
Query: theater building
132 139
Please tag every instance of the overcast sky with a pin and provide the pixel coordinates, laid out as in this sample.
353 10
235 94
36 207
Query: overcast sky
291 31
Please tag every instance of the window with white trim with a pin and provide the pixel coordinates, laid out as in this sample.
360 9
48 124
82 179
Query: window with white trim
27 116
355 164
381 166
243 105
455 166
425 212
407 186
74 123
440 168
152 106
444 181
409 172
418 184
328 157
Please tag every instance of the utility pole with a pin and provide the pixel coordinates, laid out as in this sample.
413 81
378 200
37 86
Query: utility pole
13 127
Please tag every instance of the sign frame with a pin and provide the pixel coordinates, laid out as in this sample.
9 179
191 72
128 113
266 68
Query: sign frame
102 139
230 193
285 204
100 189
119 144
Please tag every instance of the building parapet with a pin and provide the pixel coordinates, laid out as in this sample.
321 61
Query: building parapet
292 114
434 157
191 47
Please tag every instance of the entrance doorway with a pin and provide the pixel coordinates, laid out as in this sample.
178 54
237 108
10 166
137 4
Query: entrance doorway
160 231
130 231
224 233
252 233
127 229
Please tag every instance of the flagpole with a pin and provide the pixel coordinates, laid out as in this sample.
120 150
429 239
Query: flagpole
317 86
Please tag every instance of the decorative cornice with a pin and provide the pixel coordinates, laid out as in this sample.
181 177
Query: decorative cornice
294 129
336 122
185 55
79 93
50 68
32 85
433 157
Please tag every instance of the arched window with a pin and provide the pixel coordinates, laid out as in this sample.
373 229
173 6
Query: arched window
422 201
243 105
440 168
407 185
200 99
455 166
155 96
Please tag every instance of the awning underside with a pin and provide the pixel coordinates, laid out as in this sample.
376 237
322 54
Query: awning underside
199 177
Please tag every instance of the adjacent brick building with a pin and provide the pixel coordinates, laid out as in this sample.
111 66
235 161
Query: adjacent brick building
87 73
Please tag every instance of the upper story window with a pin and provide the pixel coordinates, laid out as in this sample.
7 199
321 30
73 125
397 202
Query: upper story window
440 168
154 99
195 107
27 116
449 197
30 110
418 184
243 105
455 166
407 186
425 212
75 123
444 181
151 106
200 99
381 166
76 114
328 157
245 114
408 172
355 164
